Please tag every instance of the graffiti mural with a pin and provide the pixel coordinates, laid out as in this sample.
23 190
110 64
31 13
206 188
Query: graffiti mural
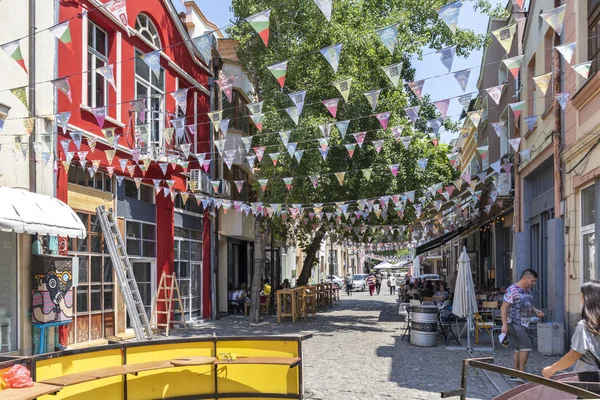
52 289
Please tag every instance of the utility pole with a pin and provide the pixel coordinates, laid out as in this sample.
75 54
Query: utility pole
32 100
557 135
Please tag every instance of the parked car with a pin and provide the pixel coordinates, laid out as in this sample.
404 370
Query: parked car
336 280
430 277
359 282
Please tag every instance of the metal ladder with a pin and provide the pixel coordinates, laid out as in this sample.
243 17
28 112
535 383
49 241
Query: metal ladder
125 276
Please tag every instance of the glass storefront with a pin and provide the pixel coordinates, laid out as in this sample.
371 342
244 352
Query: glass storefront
188 267
8 293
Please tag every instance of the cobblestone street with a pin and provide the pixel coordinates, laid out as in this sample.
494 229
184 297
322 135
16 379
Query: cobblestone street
356 353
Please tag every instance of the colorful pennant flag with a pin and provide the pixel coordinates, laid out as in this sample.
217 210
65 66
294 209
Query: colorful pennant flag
383 119
372 98
258 120
288 183
215 117
442 107
394 169
260 23
360 138
152 60
331 105
389 37
294 114
279 71
343 87
13 50
495 93
326 8
515 143
350 148
555 18
263 184
332 55
226 86
378 144
298 99
505 36
583 69
422 163
499 127
100 115
406 141
449 14
63 85
314 179
260 152
325 129
180 98
393 73
413 113
542 82
465 101
562 99
447 56
567 50
367 173
63 33
517 108
531 120
342 127
340 177
204 44
513 64
462 77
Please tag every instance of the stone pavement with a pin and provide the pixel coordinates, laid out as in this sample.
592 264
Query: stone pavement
356 353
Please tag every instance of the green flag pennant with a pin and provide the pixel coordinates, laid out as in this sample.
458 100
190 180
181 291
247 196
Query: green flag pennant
288 182
505 36
517 108
13 50
263 184
332 55
393 73
216 117
216 185
350 148
343 87
367 173
258 120
389 37
260 23
279 71
340 177
513 64
62 32
21 94
274 158
555 18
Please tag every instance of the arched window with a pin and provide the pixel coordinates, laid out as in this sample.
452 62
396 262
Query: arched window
146 28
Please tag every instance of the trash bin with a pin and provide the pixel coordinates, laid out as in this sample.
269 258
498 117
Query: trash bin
551 338
423 326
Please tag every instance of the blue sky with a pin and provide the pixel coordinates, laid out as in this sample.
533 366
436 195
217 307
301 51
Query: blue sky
440 88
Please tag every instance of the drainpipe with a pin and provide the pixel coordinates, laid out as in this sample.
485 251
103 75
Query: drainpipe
32 80
558 132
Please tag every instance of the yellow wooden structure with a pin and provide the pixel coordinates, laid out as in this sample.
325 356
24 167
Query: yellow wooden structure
194 368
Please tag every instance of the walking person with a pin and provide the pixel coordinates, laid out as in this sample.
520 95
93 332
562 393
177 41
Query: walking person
371 281
378 279
516 312
391 282
585 343
349 283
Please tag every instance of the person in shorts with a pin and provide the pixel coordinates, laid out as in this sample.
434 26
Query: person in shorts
517 310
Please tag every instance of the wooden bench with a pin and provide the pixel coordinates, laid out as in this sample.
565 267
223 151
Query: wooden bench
30 393
291 361
87 376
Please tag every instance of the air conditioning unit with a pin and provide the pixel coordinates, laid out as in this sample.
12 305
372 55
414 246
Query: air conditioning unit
202 181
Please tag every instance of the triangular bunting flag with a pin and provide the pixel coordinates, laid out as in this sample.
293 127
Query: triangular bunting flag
562 99
383 119
326 7
389 37
360 138
413 113
298 99
332 55
462 77
567 50
331 105
13 50
555 18
513 64
343 87
372 98
417 88
442 106
449 14
517 108
447 56
340 177
279 71
542 82
260 23
342 127
293 113
393 73
394 169
495 93
505 36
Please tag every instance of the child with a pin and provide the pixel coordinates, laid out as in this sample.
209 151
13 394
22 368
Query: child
585 343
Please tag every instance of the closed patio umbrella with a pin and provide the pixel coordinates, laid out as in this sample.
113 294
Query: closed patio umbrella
464 304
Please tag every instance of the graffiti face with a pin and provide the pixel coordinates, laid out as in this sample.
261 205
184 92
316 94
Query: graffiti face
52 293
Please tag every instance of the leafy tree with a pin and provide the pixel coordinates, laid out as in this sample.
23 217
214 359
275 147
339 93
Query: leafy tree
298 31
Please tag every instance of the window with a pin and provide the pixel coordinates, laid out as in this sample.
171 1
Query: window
145 193
237 174
146 28
141 239
593 32
531 89
94 316
99 181
188 267
588 234
190 205
9 293
237 112
150 85
97 58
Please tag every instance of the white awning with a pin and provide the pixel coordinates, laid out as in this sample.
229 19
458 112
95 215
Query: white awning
24 212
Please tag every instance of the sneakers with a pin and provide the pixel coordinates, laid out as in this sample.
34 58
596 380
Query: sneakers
517 380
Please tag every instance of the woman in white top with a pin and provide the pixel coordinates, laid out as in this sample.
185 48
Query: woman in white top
392 284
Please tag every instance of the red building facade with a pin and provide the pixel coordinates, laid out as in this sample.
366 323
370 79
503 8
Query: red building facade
164 230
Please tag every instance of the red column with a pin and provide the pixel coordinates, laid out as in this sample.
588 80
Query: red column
164 243
206 270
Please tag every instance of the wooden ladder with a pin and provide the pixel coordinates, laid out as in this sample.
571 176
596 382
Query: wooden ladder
168 293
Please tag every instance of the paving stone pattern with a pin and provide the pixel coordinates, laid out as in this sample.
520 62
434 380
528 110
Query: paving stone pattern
357 353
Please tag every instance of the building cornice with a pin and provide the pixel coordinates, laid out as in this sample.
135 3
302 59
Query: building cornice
580 145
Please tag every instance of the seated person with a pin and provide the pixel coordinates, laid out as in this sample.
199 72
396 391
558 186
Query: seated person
427 291
442 293
499 295
239 297
413 293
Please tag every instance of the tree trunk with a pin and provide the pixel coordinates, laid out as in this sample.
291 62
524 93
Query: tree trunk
259 269
311 254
